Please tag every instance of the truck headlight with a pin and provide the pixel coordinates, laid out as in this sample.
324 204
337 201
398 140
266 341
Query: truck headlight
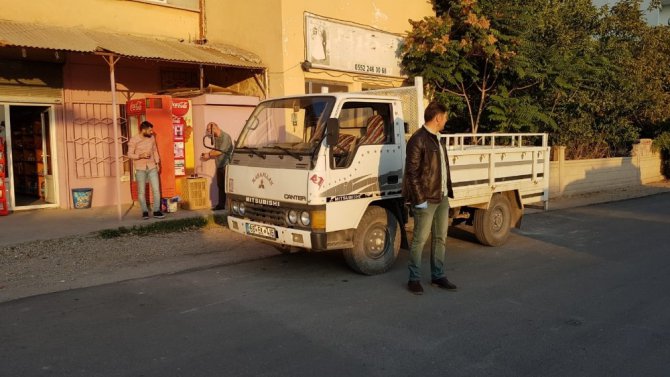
292 216
236 207
304 218
242 208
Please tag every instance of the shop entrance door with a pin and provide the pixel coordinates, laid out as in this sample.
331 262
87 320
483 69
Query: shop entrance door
30 148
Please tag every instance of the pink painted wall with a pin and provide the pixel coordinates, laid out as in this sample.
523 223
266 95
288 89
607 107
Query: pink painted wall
86 130
230 113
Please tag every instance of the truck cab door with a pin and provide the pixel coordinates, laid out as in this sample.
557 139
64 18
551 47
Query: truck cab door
368 153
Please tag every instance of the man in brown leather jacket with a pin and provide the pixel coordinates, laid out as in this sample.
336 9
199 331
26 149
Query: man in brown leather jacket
427 187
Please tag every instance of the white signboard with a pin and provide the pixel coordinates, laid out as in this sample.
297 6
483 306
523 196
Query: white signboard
343 47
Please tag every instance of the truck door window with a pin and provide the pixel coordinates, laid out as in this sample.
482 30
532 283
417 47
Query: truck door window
361 123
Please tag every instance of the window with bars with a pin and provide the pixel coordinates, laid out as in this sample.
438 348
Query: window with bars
90 140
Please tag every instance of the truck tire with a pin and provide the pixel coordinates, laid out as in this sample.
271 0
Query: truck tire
376 242
492 225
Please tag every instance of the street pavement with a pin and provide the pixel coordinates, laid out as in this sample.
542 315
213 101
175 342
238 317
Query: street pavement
576 292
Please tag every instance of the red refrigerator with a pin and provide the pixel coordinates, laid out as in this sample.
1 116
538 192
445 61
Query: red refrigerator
157 110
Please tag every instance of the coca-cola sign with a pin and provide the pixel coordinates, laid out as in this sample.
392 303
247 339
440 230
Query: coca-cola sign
180 107
135 106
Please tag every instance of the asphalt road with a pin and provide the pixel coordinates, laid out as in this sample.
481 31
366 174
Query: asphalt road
578 292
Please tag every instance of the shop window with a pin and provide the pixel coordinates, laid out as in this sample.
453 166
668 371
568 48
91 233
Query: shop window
324 87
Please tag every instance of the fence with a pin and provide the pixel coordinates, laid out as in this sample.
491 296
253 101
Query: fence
570 178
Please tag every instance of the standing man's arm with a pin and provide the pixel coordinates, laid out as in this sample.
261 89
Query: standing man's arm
132 146
412 172
154 152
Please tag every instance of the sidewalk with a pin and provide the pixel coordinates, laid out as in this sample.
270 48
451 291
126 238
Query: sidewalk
46 224
25 226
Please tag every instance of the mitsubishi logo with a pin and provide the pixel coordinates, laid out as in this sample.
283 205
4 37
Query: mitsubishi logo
262 178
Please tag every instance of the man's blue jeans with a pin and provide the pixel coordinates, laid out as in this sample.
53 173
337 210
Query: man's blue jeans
433 219
141 177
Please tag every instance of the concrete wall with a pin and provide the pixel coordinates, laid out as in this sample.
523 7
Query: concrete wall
274 29
570 178
129 17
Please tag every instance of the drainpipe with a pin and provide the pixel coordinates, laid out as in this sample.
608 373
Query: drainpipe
202 79
202 38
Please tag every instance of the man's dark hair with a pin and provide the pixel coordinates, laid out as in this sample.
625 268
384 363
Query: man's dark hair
146 124
432 110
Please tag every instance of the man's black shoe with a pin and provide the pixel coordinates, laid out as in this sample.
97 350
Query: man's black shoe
415 287
145 215
444 284
158 215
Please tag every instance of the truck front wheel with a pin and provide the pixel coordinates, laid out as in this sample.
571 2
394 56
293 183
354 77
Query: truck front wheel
376 242
492 225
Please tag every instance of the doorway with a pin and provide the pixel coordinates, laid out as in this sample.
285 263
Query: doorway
29 136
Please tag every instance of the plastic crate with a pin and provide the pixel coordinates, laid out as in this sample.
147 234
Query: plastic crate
195 194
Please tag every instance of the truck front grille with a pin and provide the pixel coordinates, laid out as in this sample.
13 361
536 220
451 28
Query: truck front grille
265 214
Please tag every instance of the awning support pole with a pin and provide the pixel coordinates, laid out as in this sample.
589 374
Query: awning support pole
111 61
202 79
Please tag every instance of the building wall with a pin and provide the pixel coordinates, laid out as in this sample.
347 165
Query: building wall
664 16
274 29
85 130
131 17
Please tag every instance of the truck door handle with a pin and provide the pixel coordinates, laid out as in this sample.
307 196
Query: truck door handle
392 179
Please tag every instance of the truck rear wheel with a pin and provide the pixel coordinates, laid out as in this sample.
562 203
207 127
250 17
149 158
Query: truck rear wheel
492 225
376 242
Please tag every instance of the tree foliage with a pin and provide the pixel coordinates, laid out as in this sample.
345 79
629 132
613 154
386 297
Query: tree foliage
594 78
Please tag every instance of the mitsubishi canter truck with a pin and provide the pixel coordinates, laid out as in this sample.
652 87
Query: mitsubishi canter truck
324 172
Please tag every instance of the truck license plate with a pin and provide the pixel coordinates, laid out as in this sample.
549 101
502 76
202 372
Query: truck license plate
261 231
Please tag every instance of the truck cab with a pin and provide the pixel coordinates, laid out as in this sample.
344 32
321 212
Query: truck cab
306 169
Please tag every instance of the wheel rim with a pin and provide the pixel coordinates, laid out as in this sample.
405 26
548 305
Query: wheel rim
376 241
497 219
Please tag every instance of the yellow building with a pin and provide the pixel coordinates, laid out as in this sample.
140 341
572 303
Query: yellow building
341 44
58 64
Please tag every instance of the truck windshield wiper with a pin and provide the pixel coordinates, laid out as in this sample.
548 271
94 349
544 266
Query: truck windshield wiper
252 150
288 152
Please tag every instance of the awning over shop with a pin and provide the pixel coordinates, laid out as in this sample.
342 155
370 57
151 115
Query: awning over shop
89 41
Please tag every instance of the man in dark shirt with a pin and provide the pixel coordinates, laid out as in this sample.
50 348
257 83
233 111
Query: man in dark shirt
223 148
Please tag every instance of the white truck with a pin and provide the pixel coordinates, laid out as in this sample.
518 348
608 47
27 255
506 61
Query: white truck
324 172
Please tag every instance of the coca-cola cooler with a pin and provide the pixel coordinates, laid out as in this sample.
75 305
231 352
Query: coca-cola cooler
173 124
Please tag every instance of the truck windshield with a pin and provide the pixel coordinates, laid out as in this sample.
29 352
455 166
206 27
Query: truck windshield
287 125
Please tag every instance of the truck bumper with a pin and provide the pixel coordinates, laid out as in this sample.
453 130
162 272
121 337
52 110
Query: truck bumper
281 236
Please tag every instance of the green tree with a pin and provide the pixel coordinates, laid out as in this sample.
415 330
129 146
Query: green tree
460 56
594 78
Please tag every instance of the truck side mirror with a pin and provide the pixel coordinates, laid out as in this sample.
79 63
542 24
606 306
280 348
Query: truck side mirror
332 131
